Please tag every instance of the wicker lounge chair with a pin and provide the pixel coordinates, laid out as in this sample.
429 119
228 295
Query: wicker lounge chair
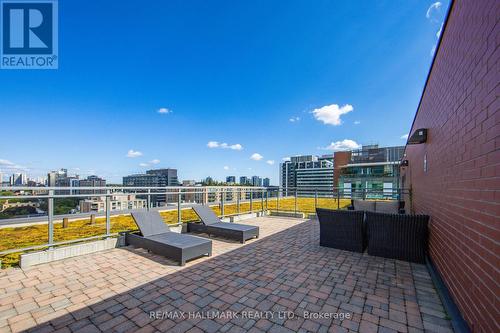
341 229
156 237
212 225
397 236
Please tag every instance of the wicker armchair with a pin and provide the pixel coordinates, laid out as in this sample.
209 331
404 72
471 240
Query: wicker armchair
397 236
341 229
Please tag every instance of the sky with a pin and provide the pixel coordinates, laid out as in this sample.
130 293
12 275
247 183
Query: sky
217 88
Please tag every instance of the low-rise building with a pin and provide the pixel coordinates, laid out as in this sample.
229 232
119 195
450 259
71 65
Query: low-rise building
17 204
119 201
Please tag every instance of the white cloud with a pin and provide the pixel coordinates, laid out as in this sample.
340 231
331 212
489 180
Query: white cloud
433 50
357 122
8 166
164 111
434 7
256 157
143 165
270 162
345 144
226 167
155 161
294 119
133 153
404 136
330 114
439 31
215 144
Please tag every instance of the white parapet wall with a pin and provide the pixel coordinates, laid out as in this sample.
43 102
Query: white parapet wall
287 214
244 216
41 257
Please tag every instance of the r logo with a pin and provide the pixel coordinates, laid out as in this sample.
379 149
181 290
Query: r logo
29 28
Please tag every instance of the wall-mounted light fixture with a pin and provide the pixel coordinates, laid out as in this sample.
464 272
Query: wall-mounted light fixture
419 136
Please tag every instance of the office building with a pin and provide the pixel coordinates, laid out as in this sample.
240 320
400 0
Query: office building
231 180
266 182
91 181
188 183
155 178
58 178
307 175
18 179
371 172
244 181
256 181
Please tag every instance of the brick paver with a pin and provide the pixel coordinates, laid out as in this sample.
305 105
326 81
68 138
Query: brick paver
282 282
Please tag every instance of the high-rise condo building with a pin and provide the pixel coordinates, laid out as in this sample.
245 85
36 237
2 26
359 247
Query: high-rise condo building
231 180
244 180
18 179
256 181
307 175
266 182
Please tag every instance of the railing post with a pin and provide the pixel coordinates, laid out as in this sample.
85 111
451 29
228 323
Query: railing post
295 203
262 202
50 213
338 198
315 199
267 199
238 195
278 200
149 199
179 210
251 201
108 213
222 199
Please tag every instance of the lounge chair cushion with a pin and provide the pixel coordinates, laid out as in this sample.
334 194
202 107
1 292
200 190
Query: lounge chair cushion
389 207
178 240
206 214
233 226
365 205
150 223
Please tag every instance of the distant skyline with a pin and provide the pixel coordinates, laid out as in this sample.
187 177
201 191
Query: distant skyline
217 88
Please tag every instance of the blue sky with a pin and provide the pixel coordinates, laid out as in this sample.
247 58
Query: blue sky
232 80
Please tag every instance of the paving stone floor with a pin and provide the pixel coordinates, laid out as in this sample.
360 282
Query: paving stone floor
282 282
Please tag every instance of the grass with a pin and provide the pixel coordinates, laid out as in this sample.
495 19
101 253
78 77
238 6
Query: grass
20 237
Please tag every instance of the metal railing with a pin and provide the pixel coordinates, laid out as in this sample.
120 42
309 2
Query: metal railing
257 199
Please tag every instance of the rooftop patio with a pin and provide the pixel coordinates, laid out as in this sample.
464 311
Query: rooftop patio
284 270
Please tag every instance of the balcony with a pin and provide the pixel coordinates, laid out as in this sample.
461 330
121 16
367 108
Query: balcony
282 282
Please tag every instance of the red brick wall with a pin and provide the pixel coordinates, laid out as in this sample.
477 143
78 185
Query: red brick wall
340 158
461 188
